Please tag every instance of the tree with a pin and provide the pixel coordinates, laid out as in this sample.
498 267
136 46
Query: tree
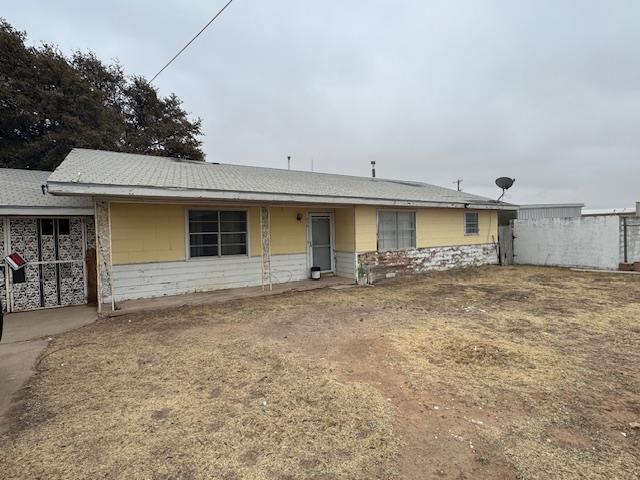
156 125
50 104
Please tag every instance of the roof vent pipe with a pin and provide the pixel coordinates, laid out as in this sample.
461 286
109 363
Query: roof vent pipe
289 162
373 169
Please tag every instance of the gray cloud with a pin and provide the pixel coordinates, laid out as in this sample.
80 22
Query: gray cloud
546 91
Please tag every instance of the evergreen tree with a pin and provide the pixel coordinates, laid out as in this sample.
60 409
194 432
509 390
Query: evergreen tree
50 104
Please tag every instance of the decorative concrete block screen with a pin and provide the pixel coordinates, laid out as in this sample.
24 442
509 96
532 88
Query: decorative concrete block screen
588 242
55 272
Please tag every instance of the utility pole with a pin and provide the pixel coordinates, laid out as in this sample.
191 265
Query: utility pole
458 182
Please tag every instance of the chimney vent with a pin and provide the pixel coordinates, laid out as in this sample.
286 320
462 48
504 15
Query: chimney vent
637 209
373 169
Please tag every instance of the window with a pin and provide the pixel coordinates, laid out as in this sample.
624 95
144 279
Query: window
396 230
471 225
213 233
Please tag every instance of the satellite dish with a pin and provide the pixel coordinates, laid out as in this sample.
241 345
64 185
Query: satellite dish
505 183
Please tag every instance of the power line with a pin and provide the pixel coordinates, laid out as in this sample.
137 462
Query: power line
191 41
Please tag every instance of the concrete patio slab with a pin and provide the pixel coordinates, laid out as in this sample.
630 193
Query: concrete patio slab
22 326
217 296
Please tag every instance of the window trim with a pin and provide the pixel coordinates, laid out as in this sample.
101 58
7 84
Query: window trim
471 234
187 241
396 210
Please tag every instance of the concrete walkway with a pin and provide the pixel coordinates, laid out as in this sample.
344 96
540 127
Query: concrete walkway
25 336
218 296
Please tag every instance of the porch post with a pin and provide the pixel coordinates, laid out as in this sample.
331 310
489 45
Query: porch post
6 273
265 235
103 252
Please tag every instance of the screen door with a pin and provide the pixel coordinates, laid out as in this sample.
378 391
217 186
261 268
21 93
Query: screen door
321 251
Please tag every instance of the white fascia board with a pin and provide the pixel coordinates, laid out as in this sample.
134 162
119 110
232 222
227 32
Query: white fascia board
551 205
58 188
45 211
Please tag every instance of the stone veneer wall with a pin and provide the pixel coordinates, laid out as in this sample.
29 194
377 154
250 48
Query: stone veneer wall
375 266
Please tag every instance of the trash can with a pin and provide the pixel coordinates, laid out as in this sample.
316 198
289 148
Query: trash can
315 273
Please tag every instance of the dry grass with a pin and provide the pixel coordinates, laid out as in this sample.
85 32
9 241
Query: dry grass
557 355
384 382
154 400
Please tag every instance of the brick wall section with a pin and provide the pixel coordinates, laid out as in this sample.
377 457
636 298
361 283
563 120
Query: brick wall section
375 266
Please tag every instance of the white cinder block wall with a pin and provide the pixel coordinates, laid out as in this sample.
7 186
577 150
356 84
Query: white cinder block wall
589 242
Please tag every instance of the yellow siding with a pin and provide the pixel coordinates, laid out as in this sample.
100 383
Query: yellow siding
366 229
437 227
147 233
288 235
345 229
255 242
156 232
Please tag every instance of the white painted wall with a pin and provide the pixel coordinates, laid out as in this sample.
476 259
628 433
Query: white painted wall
346 264
148 280
590 242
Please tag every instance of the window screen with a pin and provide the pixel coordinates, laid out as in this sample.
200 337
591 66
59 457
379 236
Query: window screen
396 230
215 233
471 225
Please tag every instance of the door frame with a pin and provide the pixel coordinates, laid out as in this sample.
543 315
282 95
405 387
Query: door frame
332 236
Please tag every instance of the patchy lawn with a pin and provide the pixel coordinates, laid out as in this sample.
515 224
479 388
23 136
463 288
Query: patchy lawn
496 373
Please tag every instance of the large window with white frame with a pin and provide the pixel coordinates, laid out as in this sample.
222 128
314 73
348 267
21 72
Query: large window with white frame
396 230
215 233
471 223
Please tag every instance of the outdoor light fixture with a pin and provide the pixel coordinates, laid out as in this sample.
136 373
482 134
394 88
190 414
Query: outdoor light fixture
299 217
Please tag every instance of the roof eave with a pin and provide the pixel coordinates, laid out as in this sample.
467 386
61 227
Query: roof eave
9 210
148 192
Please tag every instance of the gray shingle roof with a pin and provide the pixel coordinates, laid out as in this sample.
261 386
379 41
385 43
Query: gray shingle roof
146 175
22 189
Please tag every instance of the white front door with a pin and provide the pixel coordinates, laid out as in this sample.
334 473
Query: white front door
321 241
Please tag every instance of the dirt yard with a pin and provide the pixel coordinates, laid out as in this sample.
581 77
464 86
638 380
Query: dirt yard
490 373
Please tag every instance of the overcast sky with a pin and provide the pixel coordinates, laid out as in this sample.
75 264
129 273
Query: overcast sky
544 91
